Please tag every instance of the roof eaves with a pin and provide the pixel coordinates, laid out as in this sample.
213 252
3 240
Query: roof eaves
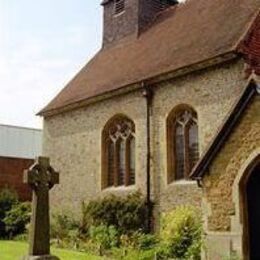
88 101
232 119
228 56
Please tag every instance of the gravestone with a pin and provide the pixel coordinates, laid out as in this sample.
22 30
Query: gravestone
41 177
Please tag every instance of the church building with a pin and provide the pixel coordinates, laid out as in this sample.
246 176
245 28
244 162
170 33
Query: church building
170 107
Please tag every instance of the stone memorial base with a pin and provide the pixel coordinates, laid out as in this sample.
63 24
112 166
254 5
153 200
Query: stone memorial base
42 257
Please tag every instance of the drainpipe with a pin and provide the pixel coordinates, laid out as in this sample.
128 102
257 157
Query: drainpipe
148 95
199 182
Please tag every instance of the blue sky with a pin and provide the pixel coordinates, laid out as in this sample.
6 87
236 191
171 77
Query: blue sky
42 45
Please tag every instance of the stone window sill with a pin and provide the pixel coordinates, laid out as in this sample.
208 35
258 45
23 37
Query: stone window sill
120 188
182 182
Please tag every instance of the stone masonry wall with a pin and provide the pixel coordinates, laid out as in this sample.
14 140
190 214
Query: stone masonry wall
211 93
73 139
222 205
218 185
73 142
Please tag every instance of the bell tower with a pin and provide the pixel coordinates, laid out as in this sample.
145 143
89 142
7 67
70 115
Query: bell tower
127 18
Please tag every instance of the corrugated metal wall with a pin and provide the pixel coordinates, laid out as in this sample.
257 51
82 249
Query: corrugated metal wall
20 142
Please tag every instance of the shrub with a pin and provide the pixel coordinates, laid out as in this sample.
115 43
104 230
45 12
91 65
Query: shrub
17 218
139 241
124 213
132 254
145 241
21 237
8 198
106 237
63 226
181 233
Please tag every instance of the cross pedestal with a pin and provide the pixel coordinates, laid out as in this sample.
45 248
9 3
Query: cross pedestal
41 177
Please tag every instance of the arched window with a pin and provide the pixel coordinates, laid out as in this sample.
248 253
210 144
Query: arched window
118 162
183 143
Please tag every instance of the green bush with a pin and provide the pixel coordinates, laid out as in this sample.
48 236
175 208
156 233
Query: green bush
8 198
105 237
181 233
114 226
132 254
63 226
17 218
22 237
146 241
139 241
126 214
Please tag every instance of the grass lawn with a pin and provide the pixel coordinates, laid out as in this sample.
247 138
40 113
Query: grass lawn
11 250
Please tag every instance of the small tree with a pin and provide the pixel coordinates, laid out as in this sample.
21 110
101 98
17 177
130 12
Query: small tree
8 198
181 233
17 218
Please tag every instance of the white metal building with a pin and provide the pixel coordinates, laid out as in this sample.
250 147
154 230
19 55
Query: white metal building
20 142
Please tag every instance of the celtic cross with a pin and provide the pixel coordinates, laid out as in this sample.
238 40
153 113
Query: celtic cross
41 177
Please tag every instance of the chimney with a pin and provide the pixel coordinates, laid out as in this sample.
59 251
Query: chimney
124 18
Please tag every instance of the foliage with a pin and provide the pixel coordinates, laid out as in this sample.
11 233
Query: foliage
124 213
17 218
21 237
131 253
139 241
114 226
145 241
106 237
8 198
181 233
63 226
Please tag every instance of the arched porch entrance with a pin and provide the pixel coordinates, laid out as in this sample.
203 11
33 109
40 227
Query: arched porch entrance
250 192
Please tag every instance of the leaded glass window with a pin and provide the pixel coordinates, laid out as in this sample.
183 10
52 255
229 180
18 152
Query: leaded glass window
183 146
119 155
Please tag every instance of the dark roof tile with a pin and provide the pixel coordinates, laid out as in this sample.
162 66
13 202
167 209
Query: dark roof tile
181 36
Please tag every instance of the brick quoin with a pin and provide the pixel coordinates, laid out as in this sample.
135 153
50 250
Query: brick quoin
250 48
11 176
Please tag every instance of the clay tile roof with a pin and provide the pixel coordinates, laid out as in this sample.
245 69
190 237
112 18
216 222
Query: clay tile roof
183 35
225 130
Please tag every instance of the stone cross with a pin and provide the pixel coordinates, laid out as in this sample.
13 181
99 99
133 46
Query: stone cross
41 177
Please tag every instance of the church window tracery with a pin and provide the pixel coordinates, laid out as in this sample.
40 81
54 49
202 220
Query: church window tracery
183 144
119 153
